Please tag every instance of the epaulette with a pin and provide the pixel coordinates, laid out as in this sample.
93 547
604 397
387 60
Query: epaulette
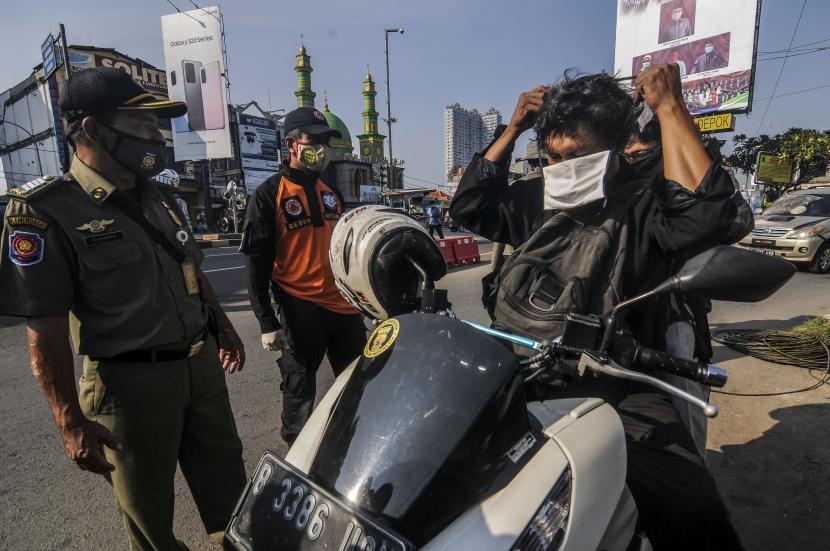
34 188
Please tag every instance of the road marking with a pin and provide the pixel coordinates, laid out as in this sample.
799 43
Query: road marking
223 269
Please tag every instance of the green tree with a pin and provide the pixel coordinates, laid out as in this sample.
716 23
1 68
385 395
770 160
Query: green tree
808 149
744 154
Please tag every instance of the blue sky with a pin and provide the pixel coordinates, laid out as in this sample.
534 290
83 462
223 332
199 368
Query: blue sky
478 53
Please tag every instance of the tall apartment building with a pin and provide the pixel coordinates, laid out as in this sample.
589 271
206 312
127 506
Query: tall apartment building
466 132
492 119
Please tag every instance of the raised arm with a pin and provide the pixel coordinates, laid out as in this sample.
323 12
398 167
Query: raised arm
685 159
484 202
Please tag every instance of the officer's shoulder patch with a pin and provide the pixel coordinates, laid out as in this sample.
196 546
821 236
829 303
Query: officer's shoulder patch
26 248
34 188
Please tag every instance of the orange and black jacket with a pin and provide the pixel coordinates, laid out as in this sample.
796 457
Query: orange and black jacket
286 239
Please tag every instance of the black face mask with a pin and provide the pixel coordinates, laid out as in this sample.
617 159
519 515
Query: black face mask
647 164
140 156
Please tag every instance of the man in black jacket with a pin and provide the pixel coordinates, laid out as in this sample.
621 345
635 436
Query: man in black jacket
286 241
686 210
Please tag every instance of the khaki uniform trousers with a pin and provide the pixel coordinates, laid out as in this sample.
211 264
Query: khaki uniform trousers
166 413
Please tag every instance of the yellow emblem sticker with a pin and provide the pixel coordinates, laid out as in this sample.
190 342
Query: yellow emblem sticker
95 226
309 155
383 337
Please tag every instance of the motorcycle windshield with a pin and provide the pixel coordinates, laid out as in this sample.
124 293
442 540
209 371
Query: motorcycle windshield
423 429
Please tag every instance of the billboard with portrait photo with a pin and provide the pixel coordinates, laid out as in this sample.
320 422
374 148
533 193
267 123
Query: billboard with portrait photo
700 56
718 50
677 20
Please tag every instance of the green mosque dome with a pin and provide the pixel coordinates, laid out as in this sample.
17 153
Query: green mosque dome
343 146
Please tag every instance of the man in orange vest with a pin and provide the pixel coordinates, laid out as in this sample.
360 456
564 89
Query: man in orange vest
286 241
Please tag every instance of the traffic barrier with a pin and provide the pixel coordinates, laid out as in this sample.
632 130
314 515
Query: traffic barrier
465 249
445 246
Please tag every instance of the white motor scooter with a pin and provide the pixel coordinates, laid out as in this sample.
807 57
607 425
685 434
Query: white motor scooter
427 441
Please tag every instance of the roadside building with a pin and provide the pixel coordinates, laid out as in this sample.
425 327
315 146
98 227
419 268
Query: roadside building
32 133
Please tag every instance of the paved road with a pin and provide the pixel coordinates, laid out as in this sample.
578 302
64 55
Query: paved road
769 455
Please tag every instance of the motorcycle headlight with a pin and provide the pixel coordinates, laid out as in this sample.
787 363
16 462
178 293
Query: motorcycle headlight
806 233
546 529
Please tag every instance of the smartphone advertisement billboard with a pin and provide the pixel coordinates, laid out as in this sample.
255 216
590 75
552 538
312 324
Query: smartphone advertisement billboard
195 69
259 147
711 41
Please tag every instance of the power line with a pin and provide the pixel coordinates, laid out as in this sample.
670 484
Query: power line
33 147
814 50
799 47
783 63
184 13
420 180
203 9
795 92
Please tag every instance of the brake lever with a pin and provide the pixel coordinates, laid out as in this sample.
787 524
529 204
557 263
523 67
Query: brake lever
607 366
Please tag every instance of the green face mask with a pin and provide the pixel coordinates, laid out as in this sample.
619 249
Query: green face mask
314 158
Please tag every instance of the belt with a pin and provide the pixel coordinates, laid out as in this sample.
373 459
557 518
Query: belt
153 355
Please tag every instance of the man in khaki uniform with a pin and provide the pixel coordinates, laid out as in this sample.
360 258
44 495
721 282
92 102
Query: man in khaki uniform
103 254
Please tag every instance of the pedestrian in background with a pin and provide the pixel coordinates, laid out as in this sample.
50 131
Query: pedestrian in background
436 220
286 239
105 255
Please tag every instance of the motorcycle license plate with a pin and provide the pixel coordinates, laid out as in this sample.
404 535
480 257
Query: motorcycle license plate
282 510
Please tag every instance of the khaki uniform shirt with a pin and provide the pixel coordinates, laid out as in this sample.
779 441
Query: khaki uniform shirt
67 248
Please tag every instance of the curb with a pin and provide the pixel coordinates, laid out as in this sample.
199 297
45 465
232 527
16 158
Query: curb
214 243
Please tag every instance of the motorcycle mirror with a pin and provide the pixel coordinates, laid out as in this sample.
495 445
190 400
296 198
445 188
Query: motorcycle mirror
729 273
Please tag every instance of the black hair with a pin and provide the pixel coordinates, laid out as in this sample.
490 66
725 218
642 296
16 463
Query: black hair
595 103
649 134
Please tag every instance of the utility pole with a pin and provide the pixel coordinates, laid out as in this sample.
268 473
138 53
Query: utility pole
389 119
206 191
66 71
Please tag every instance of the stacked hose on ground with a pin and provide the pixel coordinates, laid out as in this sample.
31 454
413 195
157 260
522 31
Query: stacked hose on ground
782 347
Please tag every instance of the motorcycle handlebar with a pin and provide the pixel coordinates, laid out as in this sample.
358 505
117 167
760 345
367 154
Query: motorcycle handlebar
690 369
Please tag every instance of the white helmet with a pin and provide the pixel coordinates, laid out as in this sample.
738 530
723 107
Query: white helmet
370 254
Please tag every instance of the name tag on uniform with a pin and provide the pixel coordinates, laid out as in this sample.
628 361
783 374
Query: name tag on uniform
191 282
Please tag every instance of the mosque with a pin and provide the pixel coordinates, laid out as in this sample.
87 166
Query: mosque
360 177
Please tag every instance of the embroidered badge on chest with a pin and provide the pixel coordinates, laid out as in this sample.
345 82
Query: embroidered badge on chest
25 248
293 207
330 201
95 226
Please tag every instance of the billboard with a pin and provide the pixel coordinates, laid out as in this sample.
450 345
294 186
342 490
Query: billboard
195 75
712 42
47 51
259 148
774 169
147 76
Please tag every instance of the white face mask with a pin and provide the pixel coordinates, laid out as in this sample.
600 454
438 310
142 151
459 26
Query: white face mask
676 16
576 182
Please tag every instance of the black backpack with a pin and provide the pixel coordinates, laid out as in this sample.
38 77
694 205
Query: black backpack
572 263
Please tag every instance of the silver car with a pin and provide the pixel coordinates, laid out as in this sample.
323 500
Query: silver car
796 227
